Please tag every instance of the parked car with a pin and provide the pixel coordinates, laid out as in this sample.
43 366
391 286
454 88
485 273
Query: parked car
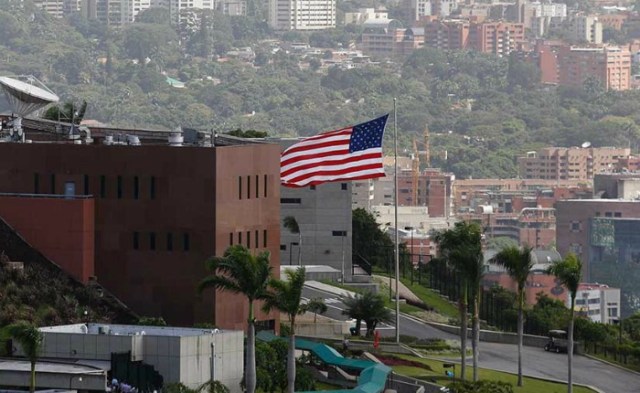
557 341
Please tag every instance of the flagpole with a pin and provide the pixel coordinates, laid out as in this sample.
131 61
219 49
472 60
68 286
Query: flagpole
395 200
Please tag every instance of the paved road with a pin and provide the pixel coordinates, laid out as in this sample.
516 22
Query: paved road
536 363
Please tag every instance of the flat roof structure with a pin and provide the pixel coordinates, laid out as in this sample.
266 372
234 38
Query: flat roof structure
52 375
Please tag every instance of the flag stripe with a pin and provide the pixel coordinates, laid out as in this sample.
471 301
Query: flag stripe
344 160
344 154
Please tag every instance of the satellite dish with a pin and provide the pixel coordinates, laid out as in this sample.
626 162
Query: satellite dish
586 144
25 94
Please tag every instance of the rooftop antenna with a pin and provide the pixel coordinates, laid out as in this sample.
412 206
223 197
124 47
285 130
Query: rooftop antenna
25 94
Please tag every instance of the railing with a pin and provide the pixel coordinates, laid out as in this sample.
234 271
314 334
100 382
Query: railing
363 263
54 196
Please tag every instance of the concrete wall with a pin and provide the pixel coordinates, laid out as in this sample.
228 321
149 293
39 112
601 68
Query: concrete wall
89 346
322 329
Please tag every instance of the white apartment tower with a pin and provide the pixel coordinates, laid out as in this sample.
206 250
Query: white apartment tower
421 8
302 14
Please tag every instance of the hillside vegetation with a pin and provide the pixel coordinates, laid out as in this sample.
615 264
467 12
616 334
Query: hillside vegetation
482 110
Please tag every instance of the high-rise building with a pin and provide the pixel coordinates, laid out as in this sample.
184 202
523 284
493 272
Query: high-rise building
451 34
421 8
567 163
587 28
302 14
498 38
232 7
610 65
54 8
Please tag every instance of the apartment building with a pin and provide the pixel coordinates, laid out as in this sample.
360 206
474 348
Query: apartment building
54 8
365 14
587 28
385 38
567 163
499 38
231 7
421 8
609 64
302 14
113 12
449 34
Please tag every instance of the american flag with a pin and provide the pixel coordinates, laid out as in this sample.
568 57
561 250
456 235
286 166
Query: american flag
350 153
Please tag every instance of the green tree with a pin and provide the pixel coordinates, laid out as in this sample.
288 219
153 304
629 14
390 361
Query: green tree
518 264
368 307
30 340
240 272
461 247
569 272
285 296
316 306
291 224
207 387
68 113
157 15
369 241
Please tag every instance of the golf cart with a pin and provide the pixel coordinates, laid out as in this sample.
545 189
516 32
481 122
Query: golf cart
557 341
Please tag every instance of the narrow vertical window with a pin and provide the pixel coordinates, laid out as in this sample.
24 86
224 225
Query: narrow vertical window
136 188
264 238
256 239
169 242
240 238
86 185
249 239
239 187
36 183
152 241
152 188
231 238
265 186
248 187
136 241
119 185
257 186
53 183
185 242
103 186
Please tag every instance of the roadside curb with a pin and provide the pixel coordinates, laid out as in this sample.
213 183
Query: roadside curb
610 363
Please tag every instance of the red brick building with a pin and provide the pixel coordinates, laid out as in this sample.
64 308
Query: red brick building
499 38
154 212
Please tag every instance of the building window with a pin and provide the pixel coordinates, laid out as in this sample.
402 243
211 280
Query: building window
343 186
86 184
312 187
239 187
617 214
103 186
119 184
608 214
338 233
53 183
257 186
136 188
283 247
290 200
248 187
185 242
152 241
265 186
256 238
240 238
575 226
231 238
264 238
152 187
136 241
169 242
36 183
249 239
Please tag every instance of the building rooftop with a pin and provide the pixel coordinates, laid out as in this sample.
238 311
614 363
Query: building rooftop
128 330
48 367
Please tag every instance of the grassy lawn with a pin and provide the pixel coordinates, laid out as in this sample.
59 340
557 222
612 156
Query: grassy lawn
432 299
327 386
434 369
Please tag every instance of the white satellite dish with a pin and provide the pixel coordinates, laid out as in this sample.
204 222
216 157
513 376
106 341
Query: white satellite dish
586 144
25 94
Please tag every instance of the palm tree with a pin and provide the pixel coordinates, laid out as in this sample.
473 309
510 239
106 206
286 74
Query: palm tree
316 306
291 224
368 307
30 340
285 296
461 247
569 272
518 263
240 272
